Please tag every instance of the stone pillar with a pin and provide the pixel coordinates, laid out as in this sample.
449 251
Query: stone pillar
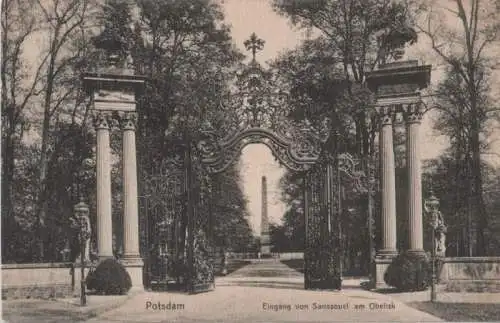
103 179
413 117
388 185
388 199
131 255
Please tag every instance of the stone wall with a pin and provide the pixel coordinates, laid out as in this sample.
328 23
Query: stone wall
471 274
41 280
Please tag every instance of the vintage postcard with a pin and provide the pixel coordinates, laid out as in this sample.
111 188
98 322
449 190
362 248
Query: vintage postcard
250 160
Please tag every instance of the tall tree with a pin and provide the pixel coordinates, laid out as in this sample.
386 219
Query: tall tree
186 53
61 23
19 87
465 47
40 90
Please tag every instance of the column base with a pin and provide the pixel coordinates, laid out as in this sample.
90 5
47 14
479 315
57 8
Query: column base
382 261
87 262
134 266
104 257
417 252
386 253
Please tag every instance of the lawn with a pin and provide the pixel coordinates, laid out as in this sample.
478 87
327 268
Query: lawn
459 312
297 264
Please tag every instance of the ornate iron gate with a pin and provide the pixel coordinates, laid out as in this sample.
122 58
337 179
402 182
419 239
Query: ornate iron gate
162 213
175 222
321 210
200 244
256 113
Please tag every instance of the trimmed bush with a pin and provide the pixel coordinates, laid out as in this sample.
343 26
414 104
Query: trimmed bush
109 278
409 272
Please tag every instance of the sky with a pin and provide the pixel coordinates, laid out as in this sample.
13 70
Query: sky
245 17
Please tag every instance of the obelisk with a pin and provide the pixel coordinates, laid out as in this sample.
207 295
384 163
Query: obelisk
265 241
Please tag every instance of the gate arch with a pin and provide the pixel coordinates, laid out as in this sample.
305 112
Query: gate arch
256 111
296 156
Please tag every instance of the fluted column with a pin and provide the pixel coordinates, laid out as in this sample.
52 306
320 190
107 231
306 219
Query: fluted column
388 184
413 118
131 217
103 173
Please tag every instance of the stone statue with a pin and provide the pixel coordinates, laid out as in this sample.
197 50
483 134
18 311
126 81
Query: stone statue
438 226
440 235
83 221
86 223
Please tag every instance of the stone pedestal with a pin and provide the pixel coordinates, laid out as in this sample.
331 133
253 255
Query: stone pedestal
103 178
388 184
413 117
265 245
131 256
134 267
381 265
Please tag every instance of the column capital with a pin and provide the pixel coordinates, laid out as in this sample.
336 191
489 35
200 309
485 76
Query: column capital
413 112
128 120
102 120
386 114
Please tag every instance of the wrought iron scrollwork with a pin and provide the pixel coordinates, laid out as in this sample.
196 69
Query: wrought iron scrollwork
256 111
352 169
162 212
200 258
322 237
297 156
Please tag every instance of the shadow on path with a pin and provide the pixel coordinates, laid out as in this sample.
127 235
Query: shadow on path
271 273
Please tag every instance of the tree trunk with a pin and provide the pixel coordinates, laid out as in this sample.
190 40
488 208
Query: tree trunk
477 194
476 173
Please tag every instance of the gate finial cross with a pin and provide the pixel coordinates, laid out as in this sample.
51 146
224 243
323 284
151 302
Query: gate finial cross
254 44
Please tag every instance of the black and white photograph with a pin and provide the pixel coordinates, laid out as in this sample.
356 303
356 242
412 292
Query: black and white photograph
250 161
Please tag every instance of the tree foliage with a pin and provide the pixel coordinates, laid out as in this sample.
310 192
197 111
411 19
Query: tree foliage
229 207
328 73
362 34
186 51
444 177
